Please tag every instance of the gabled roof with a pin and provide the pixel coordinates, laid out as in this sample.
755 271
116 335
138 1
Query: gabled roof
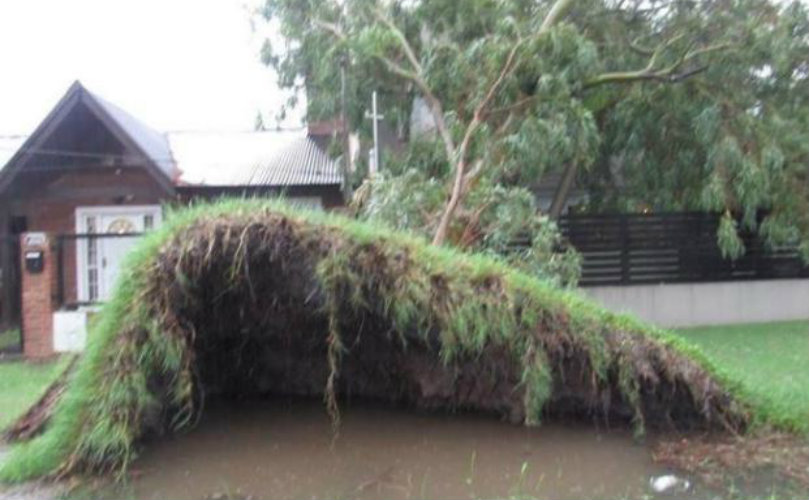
154 144
147 144
9 144
271 158
277 158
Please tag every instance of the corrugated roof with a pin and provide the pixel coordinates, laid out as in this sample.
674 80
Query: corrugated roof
271 158
301 162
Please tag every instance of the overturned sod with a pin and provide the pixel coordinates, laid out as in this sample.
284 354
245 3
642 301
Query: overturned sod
247 298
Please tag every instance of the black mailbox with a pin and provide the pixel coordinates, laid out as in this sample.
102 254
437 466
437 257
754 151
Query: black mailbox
34 261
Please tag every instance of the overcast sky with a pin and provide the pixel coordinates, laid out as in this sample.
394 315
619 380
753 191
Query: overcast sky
175 64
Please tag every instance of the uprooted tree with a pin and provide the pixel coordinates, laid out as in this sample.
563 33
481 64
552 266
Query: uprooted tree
249 298
661 104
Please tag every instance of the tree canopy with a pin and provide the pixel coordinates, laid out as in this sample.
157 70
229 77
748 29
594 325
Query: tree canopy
653 104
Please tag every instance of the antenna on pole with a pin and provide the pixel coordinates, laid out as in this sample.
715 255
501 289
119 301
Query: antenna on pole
374 166
346 163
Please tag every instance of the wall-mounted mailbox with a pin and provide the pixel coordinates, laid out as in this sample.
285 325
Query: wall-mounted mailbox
34 261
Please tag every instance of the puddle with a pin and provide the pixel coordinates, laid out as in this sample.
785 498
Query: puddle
285 450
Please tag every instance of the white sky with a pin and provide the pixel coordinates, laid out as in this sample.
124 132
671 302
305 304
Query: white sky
175 64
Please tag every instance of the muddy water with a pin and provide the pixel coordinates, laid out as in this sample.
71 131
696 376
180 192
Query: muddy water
286 450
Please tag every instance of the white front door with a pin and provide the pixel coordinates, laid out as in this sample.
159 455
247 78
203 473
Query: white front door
99 258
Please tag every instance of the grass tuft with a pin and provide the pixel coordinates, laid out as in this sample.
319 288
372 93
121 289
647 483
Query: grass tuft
496 338
769 361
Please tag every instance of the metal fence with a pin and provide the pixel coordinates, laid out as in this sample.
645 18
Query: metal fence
616 249
625 249
10 294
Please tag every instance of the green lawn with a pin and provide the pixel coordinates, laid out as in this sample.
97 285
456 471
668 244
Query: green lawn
22 383
9 338
771 360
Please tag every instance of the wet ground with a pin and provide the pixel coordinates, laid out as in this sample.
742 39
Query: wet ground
286 450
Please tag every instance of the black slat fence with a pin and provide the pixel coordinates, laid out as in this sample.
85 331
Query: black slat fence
624 249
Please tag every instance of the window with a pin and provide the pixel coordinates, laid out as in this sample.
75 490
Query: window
121 225
107 234
92 258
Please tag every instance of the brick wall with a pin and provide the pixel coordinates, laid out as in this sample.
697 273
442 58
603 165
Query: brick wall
50 205
37 301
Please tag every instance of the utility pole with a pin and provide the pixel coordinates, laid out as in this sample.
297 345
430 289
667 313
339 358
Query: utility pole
374 167
344 131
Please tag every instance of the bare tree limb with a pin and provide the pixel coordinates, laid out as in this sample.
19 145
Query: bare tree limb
417 77
397 69
513 107
332 28
668 74
408 50
462 179
558 10
562 192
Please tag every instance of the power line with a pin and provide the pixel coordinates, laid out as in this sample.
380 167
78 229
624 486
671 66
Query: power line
77 154
269 130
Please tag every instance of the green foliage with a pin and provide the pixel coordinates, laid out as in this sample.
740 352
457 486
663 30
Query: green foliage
469 304
731 138
506 222
406 201
672 105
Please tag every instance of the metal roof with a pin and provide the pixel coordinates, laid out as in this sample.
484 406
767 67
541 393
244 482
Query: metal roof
271 158
154 144
267 158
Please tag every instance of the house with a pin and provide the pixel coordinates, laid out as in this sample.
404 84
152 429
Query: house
91 176
75 194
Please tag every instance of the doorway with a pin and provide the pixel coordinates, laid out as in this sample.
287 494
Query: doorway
110 232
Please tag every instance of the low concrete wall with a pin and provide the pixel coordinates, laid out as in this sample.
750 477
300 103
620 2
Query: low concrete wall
69 331
694 304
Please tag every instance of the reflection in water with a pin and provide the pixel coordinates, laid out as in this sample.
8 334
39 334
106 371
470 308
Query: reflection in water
283 449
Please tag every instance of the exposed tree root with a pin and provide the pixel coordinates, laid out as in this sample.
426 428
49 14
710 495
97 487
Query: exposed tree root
243 302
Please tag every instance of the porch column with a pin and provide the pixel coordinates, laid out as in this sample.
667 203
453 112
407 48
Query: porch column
38 270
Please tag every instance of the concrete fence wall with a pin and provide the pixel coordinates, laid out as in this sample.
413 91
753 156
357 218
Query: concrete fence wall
695 304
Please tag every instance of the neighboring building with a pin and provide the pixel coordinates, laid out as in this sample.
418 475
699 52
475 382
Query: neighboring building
91 167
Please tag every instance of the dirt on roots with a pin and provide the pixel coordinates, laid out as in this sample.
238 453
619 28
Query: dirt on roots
269 302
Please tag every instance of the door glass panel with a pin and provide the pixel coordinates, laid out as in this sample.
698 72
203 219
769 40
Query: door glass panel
121 225
92 259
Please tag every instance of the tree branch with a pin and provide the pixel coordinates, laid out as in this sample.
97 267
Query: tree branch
558 10
513 107
462 178
417 77
669 74
332 28
408 50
